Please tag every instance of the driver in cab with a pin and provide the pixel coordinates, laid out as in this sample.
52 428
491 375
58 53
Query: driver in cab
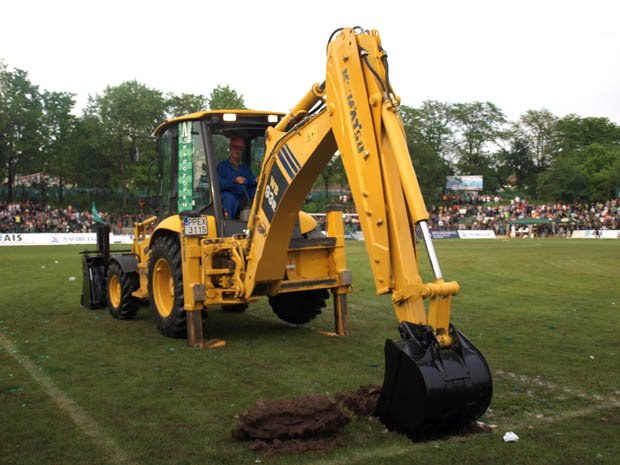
237 182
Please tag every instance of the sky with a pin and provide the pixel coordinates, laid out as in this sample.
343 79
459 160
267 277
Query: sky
563 56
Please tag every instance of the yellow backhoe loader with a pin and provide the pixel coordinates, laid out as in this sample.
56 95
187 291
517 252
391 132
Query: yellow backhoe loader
196 255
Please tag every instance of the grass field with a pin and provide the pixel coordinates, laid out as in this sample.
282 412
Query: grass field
77 387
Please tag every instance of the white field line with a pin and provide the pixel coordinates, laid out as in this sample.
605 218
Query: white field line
605 401
599 402
82 420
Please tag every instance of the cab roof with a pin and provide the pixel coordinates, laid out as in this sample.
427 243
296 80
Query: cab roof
217 113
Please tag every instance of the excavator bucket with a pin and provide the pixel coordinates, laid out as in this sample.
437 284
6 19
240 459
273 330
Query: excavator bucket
429 389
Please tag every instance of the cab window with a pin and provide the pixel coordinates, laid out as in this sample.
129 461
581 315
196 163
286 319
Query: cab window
256 152
201 183
168 149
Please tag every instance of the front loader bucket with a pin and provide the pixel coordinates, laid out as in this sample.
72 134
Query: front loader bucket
429 389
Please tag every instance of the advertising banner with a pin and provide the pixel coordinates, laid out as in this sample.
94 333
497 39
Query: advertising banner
444 235
477 234
592 234
9 239
464 183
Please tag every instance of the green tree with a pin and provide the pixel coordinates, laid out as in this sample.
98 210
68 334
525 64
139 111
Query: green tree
4 122
563 181
128 110
432 125
90 161
20 130
478 126
516 166
575 133
538 128
590 174
597 163
583 169
333 172
59 127
177 105
224 98
609 177
427 130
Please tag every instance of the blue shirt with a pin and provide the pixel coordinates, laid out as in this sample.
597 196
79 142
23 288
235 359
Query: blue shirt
227 173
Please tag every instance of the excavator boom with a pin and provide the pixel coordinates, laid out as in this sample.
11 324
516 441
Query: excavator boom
435 378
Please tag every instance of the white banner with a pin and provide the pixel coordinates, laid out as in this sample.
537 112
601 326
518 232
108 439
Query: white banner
591 234
476 234
8 239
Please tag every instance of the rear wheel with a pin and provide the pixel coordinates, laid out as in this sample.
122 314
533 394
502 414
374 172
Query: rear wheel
166 287
299 308
121 304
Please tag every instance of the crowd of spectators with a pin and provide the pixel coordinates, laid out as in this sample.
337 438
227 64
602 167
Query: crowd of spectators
31 217
489 212
455 212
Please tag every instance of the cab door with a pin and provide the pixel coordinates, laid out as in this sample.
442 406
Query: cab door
187 184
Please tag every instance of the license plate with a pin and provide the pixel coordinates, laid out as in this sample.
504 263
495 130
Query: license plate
195 226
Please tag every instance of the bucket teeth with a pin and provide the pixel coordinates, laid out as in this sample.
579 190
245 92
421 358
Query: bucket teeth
429 389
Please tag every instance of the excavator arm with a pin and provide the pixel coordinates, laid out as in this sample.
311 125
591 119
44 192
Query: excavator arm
357 114
434 377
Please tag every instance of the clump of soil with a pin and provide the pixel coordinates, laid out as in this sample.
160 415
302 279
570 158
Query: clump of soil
312 423
297 425
309 423
362 402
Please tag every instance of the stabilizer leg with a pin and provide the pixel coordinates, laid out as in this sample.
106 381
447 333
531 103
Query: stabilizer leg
341 317
194 329
195 332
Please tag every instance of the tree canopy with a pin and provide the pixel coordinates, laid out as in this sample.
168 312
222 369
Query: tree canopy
541 155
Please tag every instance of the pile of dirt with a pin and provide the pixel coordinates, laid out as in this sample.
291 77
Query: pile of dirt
362 402
297 425
312 423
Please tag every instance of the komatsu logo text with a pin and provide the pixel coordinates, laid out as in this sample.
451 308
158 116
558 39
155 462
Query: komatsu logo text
357 126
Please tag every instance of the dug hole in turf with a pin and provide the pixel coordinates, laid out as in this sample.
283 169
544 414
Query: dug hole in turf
307 423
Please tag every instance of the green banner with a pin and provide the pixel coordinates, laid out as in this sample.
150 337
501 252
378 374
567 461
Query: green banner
185 166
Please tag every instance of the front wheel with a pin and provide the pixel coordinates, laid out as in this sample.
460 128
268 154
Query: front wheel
299 308
166 287
121 304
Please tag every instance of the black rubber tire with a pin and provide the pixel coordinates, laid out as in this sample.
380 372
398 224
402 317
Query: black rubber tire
299 308
238 308
171 321
121 304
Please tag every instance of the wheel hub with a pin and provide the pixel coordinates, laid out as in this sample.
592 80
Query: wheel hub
114 291
163 288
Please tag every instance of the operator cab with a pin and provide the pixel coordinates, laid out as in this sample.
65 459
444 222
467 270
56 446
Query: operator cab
190 148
